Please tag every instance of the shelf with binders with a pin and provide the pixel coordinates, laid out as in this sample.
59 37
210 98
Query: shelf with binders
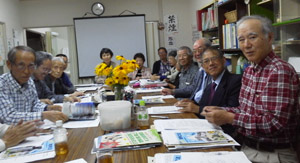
207 18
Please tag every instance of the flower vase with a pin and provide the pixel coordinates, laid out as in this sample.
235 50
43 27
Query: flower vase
119 92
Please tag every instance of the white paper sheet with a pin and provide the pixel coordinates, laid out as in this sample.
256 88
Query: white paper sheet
34 141
164 110
183 124
73 124
214 157
159 96
201 157
147 90
81 160
87 88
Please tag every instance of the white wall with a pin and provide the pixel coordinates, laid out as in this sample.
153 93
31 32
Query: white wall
9 14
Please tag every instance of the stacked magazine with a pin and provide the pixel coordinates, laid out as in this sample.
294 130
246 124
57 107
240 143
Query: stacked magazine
189 139
128 140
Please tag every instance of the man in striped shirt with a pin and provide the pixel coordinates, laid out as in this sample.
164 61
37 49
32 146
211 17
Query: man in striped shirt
268 115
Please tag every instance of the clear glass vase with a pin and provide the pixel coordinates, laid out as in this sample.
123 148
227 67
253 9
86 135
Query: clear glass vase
119 92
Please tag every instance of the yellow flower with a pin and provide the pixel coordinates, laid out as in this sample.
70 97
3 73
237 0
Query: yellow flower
116 79
120 57
109 81
99 69
124 80
120 70
107 71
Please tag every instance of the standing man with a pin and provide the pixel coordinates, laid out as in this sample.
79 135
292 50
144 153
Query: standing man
268 115
194 91
18 97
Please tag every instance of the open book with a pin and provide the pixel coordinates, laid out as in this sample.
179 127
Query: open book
129 140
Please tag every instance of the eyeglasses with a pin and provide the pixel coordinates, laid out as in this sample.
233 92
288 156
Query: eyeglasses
198 50
183 56
46 70
212 59
22 66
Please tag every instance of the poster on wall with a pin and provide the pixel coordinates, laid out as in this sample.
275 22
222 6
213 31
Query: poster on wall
171 23
2 45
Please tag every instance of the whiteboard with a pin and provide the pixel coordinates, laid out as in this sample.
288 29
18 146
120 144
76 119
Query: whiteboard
124 35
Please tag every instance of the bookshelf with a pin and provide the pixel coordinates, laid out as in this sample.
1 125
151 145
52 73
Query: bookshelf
227 31
286 25
207 20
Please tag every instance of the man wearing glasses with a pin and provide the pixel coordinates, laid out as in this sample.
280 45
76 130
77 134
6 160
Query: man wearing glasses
224 88
18 97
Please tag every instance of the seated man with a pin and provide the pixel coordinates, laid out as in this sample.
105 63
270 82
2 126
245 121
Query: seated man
64 77
13 135
44 64
201 80
224 89
161 66
55 83
18 97
188 68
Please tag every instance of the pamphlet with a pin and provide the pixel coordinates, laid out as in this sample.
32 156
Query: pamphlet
129 140
201 137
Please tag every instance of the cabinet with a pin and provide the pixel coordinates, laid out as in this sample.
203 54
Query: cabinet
286 25
208 22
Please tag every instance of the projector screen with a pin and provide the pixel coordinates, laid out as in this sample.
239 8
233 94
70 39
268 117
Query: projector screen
124 35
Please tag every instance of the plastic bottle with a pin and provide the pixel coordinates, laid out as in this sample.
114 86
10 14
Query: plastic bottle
142 116
60 138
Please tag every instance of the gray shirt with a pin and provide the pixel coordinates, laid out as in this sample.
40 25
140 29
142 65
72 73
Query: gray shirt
186 76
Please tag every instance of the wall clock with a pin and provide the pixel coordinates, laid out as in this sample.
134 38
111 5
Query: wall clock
98 8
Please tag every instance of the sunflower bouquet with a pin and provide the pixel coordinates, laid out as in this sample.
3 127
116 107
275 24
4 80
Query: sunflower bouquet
117 77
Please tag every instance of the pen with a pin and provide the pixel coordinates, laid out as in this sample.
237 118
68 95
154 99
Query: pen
23 149
157 116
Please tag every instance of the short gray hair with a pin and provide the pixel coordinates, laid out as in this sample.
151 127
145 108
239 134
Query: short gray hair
207 42
265 22
58 59
11 56
41 57
187 49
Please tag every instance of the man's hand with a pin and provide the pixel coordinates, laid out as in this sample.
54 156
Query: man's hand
72 99
54 107
217 115
54 116
154 77
76 94
182 101
16 134
189 107
166 91
46 101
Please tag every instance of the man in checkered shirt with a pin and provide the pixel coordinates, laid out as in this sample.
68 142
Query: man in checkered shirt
268 115
18 96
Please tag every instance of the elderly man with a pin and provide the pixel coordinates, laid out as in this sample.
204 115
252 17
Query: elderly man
268 114
224 89
64 77
44 64
55 83
188 68
201 79
18 97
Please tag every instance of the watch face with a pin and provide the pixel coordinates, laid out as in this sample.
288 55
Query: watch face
97 8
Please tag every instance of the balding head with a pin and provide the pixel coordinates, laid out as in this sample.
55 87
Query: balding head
199 46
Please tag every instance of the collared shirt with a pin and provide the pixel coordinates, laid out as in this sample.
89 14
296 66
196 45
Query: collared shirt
164 67
66 80
18 102
202 86
269 107
145 72
44 92
186 76
218 80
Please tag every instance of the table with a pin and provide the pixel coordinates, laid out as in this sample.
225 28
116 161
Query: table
80 143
